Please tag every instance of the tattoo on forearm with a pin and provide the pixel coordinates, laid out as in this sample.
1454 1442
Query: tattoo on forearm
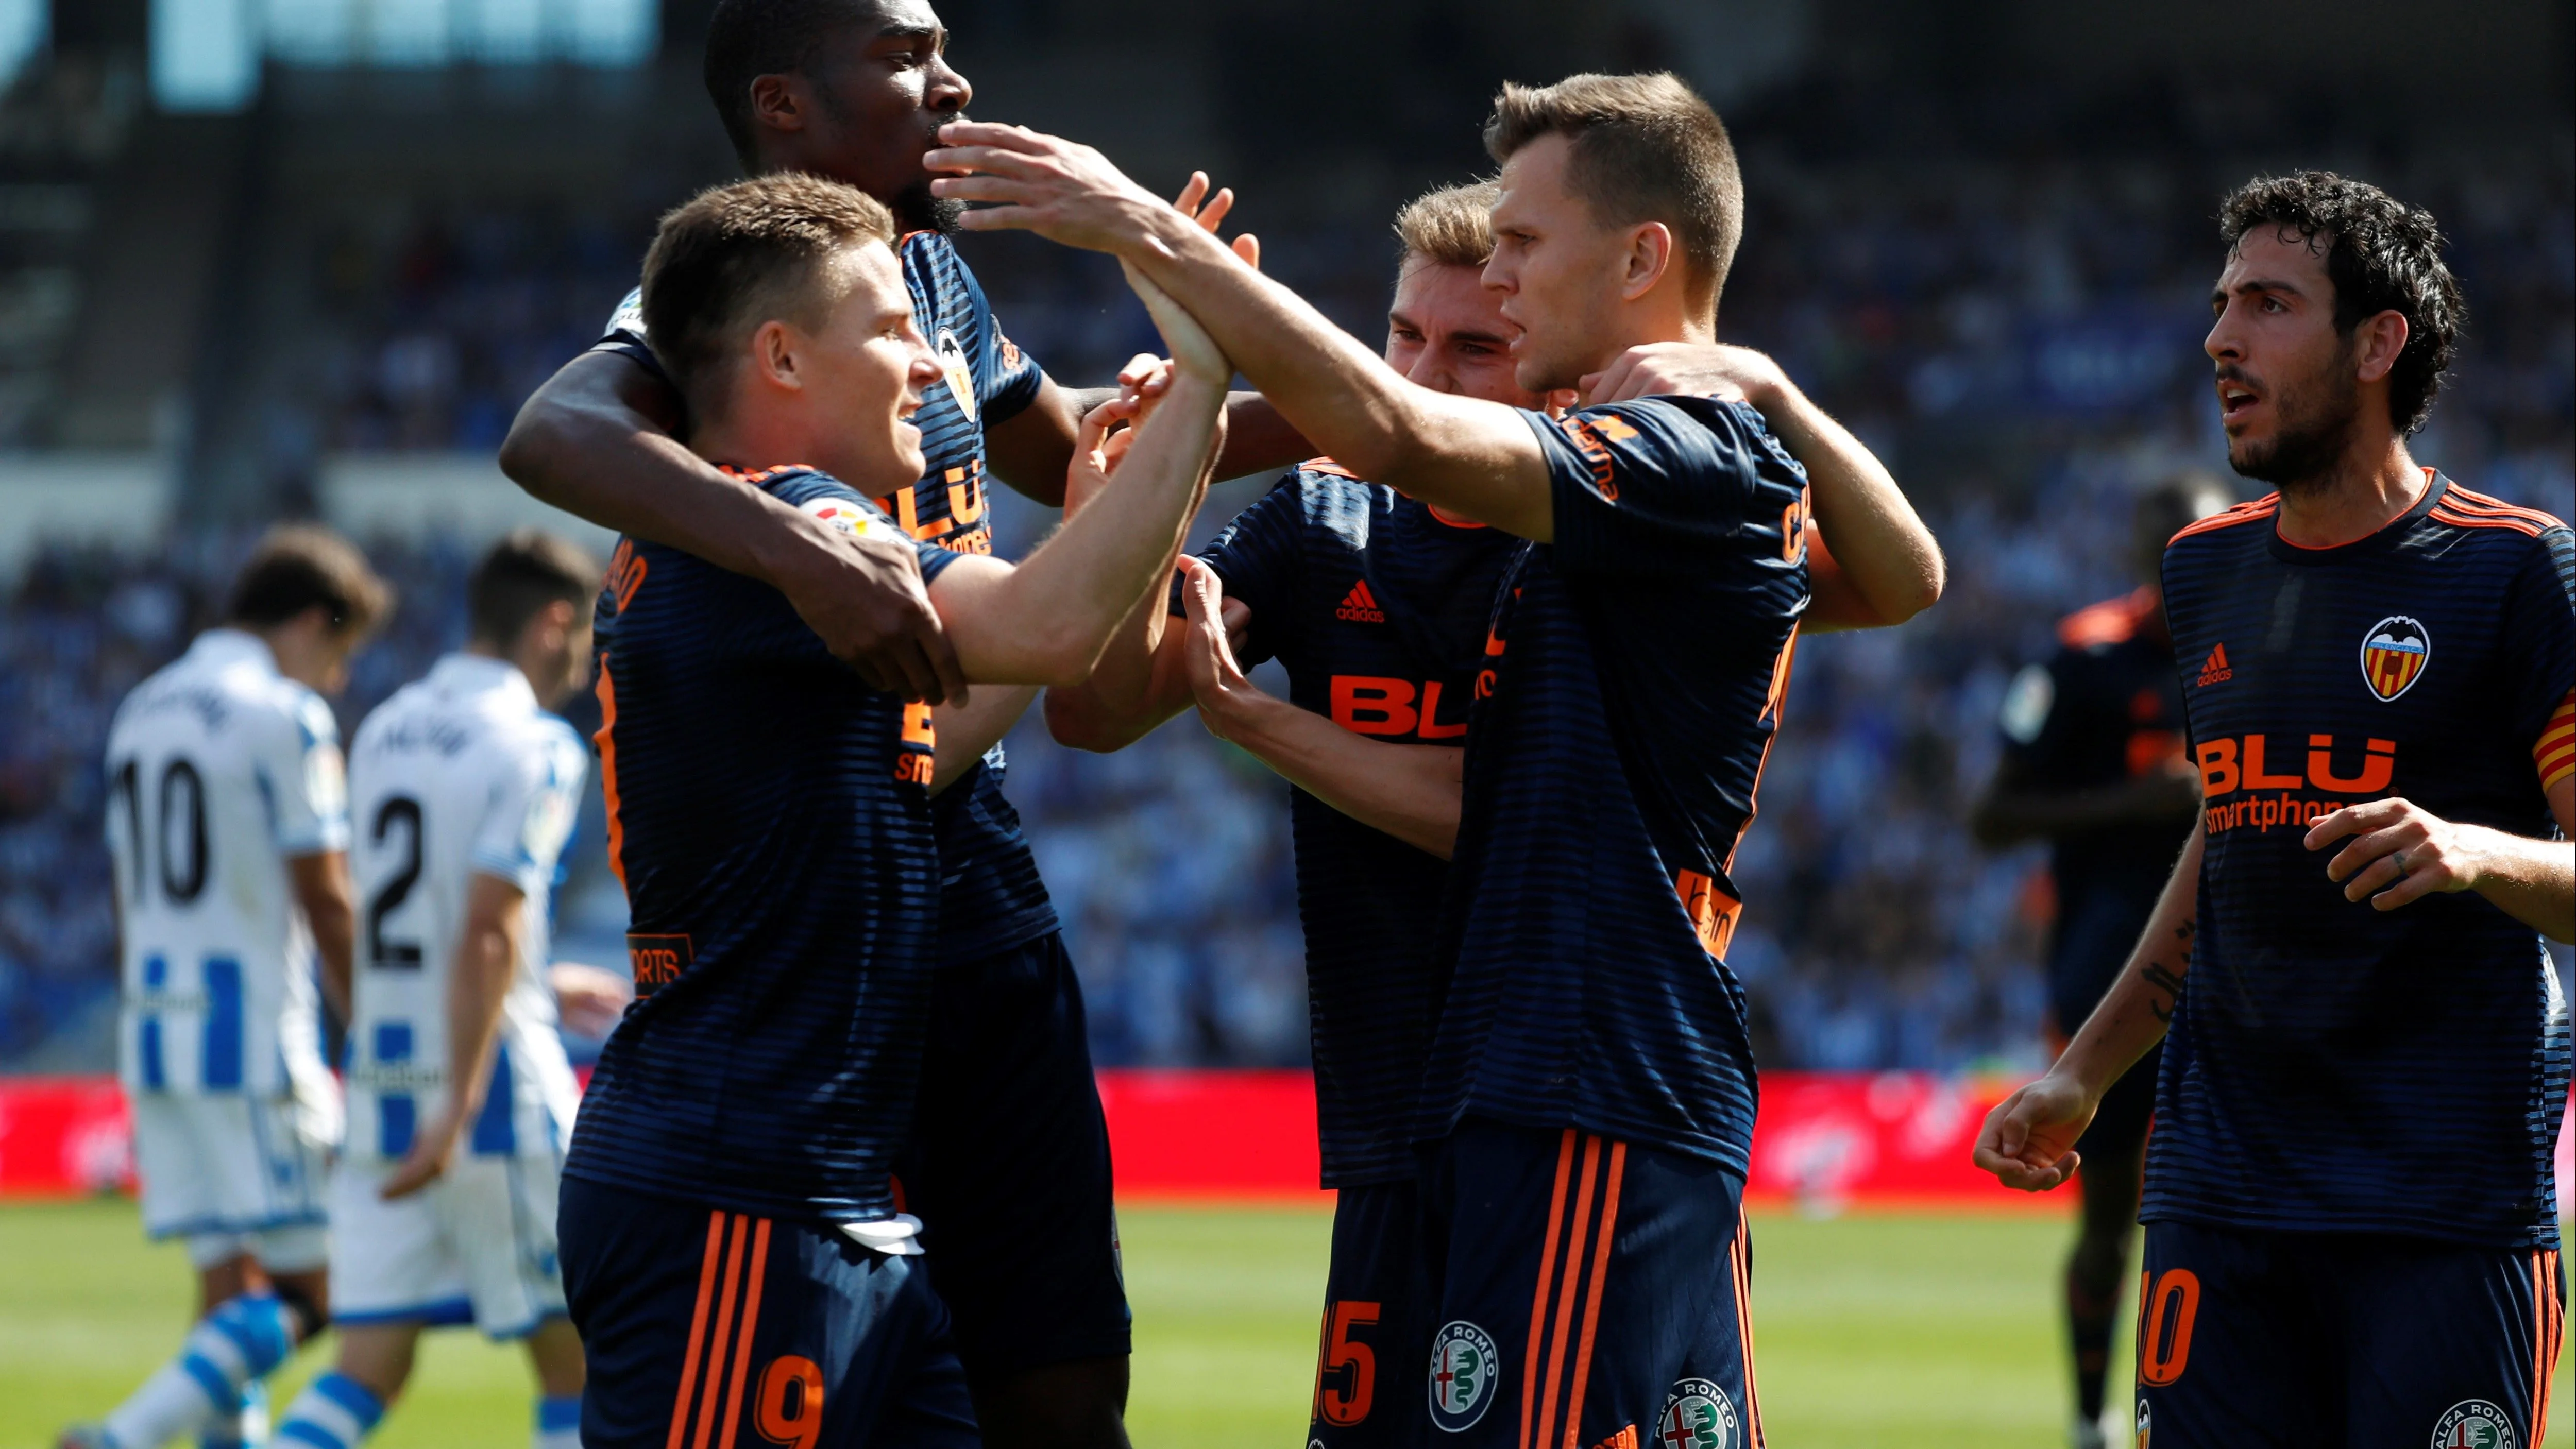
2168 978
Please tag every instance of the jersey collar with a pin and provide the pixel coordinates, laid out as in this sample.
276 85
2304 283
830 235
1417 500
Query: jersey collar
461 675
2387 536
223 648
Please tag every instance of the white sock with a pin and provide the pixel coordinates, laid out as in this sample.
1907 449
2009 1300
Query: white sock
201 1389
246 1427
558 1424
334 1412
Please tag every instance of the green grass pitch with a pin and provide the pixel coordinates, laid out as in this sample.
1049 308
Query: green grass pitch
1923 1331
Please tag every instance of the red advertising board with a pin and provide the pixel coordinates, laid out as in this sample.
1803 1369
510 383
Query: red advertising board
1826 1140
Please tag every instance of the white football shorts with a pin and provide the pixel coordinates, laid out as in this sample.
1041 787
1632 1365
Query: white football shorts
236 1174
477 1245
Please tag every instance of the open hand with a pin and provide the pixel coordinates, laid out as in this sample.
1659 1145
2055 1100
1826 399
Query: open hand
2403 853
1060 189
863 597
2029 1138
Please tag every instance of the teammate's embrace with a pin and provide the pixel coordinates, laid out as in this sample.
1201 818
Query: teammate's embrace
1376 604
2352 1229
731 1247
443 1203
228 821
1589 1096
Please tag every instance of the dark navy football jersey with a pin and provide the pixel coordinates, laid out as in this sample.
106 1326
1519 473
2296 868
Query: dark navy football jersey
2104 709
768 815
2332 1066
991 898
1377 606
1634 675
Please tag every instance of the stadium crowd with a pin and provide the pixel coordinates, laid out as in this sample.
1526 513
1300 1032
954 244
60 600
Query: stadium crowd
2020 337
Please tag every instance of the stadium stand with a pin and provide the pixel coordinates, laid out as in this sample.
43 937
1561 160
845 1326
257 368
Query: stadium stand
2006 300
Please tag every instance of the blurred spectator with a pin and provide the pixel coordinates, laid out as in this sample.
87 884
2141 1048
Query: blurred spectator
2007 302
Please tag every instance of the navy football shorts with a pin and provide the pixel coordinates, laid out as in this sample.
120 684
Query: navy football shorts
706 1328
2252 1339
1369 1364
1587 1291
1009 1167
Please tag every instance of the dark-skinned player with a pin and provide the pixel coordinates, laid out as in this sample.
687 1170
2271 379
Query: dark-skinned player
1012 1172
2093 763
2350 1208
734 1251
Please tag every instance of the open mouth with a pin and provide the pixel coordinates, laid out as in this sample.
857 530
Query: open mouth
2234 398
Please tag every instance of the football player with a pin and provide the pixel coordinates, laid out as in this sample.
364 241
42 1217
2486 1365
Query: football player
1588 1101
228 821
1010 1169
733 1253
2351 1211
443 1201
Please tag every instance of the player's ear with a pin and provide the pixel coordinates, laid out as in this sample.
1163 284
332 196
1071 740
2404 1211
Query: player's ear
780 102
774 359
2377 342
1650 256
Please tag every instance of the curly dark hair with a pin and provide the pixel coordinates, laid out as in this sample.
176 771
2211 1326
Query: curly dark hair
2382 255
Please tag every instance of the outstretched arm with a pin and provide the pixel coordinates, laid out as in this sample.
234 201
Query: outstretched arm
1048 620
1411 792
1473 458
599 440
2028 1140
1870 560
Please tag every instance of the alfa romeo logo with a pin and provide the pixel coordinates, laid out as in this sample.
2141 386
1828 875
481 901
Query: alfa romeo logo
1464 1367
1697 1415
2473 1424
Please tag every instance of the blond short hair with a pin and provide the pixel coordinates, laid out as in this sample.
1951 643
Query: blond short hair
1452 227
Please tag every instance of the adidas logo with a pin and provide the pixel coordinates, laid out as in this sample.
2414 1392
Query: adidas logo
2215 670
1360 606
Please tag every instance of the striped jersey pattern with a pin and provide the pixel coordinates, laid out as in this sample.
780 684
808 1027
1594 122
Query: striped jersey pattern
2332 1066
1377 607
1632 683
991 898
767 814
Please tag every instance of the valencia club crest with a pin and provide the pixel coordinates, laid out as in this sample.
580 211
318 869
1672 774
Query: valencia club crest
2393 655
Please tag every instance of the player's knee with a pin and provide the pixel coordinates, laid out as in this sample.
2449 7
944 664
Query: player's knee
307 1296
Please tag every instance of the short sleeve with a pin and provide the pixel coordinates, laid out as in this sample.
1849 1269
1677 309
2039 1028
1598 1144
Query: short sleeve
1257 556
1661 486
307 780
2543 624
625 334
528 812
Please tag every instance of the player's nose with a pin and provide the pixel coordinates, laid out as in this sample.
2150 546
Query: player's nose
949 89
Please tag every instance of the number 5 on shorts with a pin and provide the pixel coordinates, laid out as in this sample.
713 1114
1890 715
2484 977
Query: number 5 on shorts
1347 1403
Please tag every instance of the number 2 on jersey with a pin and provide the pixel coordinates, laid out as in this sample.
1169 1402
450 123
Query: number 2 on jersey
403 812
